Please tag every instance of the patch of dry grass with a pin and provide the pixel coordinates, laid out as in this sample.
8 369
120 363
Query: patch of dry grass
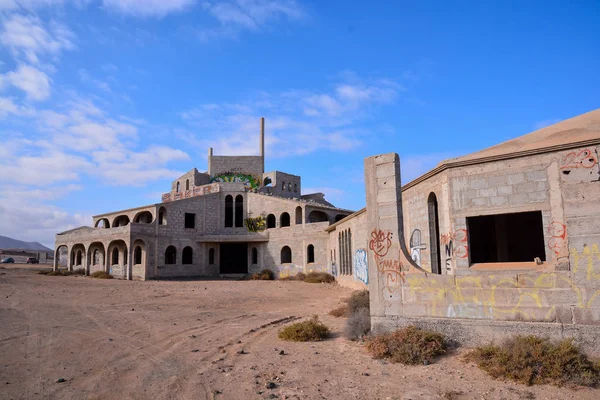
311 330
410 345
532 360
319 277
264 275
341 311
60 272
101 275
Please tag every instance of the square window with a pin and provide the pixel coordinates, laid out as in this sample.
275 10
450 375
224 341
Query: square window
190 220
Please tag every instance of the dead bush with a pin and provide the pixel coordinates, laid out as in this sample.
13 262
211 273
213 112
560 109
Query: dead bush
79 271
101 275
359 299
532 360
319 277
300 276
358 324
55 273
341 311
410 345
311 330
264 275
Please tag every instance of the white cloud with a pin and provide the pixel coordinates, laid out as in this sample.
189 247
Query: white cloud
28 37
35 83
31 5
148 8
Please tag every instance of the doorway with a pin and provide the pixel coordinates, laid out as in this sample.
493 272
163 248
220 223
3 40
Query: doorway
234 258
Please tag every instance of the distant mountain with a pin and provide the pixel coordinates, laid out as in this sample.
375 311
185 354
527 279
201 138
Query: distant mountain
10 243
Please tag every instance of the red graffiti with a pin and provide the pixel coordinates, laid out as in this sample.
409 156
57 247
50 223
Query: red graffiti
583 159
456 244
558 233
381 242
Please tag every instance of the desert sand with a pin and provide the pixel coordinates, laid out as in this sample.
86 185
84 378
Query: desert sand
205 339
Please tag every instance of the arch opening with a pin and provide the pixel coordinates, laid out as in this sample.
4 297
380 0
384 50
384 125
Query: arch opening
162 216
171 255
310 254
298 215
239 211
434 234
121 220
228 211
187 257
284 220
143 217
102 223
286 255
317 216
271 221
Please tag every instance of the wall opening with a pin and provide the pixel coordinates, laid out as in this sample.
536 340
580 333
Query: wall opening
254 255
115 256
234 258
284 220
102 223
271 221
239 211
310 254
144 217
171 255
137 255
162 216
211 256
286 255
187 257
190 220
121 220
267 182
178 187
317 216
298 215
187 184
228 211
434 234
339 217
515 237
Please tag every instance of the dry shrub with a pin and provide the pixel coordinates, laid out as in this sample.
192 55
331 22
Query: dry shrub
300 276
410 345
341 311
79 271
264 275
359 299
358 324
101 275
311 330
55 273
319 277
532 360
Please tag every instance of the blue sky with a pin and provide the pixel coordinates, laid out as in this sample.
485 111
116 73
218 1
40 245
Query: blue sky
104 102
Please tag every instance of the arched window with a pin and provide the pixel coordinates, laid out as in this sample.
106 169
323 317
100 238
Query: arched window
228 211
254 255
282 185
162 216
211 256
289 187
310 254
187 184
434 234
171 255
286 255
340 252
187 256
239 211
121 220
343 253
298 215
295 188
137 255
350 272
317 216
284 220
267 181
271 221
115 256
96 257
178 187
144 217
79 257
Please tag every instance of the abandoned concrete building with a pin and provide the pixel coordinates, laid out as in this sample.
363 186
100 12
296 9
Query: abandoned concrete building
507 234
233 219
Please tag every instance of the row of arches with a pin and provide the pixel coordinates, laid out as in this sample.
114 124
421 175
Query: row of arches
286 254
285 218
288 187
345 246
187 255
143 217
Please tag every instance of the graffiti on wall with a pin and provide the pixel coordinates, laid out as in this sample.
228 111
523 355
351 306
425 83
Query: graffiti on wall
361 270
249 181
590 255
196 191
579 159
388 264
557 232
416 245
257 224
455 246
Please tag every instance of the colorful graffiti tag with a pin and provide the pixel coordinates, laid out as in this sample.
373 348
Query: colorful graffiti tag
558 233
579 159
249 181
416 245
196 191
361 270
455 245
257 224
388 265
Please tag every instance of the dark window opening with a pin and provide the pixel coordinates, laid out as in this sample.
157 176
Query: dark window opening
516 237
188 255
317 216
267 182
79 257
310 254
239 211
211 256
234 258
137 255
162 216
254 255
115 256
190 220
285 219
171 255
298 215
178 187
187 184
228 211
286 255
271 221
339 217
434 235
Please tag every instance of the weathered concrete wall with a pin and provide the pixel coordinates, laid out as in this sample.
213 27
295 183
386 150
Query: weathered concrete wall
562 296
355 277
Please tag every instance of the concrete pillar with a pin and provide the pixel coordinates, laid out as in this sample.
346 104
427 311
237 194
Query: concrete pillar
389 259
128 267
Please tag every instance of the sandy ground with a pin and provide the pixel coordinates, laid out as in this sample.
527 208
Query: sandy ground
113 339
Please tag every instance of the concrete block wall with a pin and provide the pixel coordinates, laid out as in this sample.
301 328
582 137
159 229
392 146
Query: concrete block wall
359 279
283 184
247 165
561 297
